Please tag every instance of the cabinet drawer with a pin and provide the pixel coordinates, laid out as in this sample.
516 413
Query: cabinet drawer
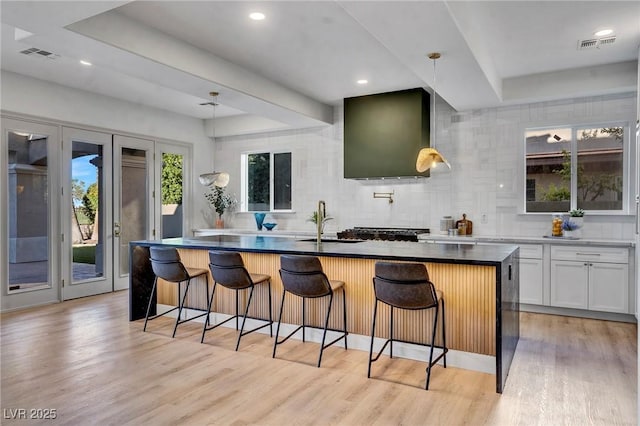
530 251
597 254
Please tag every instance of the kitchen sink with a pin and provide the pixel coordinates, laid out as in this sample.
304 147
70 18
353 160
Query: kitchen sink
326 240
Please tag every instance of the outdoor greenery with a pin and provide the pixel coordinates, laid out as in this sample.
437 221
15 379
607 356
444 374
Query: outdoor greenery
171 179
258 180
590 187
84 254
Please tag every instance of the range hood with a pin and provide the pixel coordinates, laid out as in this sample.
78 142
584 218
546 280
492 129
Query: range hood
384 132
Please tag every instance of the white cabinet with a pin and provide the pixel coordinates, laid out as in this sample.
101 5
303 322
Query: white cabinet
531 274
569 284
594 278
608 287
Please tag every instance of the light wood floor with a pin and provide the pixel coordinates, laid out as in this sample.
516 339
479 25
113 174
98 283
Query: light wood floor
87 361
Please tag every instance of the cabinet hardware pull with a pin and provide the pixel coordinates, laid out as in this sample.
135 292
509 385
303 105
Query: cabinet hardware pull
587 254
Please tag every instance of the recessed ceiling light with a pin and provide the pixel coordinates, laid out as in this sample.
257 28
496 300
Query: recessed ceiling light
257 16
605 32
85 63
362 81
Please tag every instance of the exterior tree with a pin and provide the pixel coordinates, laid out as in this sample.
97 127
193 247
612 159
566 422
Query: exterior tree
77 195
90 202
590 187
171 179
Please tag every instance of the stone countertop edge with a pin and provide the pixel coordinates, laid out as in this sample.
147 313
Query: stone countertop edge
526 240
382 250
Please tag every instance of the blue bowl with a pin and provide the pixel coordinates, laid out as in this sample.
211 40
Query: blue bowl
269 226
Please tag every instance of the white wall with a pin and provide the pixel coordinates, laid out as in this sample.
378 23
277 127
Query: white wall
484 148
55 103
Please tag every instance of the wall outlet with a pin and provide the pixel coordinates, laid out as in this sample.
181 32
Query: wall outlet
483 219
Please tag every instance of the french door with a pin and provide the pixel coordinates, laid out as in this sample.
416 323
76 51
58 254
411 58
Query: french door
107 204
87 212
133 210
29 202
71 200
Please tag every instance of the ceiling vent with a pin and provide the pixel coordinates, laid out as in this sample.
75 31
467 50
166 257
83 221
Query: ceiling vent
596 42
34 51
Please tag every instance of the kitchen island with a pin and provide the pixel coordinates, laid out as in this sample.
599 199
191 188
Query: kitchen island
480 286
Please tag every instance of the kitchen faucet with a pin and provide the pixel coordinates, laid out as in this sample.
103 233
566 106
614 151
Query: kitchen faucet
322 212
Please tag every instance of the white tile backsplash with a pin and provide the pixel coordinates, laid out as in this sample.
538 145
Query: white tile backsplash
483 147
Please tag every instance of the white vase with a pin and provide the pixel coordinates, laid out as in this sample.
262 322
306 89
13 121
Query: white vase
580 222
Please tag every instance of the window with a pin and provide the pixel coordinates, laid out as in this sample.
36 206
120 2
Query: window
266 184
575 167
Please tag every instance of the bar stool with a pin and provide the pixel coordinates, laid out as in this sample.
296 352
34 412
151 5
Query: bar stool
227 269
166 264
303 277
407 286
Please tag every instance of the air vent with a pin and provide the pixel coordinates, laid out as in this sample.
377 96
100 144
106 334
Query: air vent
43 53
595 42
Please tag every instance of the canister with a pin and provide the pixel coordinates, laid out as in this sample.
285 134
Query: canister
446 223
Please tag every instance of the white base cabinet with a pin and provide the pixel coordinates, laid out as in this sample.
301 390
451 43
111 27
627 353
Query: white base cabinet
531 274
590 278
609 287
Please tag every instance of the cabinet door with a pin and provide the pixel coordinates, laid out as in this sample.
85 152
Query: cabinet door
609 287
569 284
531 281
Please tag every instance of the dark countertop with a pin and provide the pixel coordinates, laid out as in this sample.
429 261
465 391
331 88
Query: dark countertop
389 250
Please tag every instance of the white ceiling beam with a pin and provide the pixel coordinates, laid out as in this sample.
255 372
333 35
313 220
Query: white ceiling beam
274 101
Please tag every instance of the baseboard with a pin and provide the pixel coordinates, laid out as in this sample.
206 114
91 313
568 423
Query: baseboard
579 313
459 359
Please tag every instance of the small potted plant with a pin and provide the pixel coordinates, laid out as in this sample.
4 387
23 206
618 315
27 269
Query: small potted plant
314 219
221 202
576 213
577 217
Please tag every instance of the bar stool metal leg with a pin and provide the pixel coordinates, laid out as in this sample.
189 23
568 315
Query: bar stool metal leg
153 290
244 319
373 333
275 342
324 333
433 343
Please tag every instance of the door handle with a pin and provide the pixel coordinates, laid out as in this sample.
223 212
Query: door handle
638 211
116 229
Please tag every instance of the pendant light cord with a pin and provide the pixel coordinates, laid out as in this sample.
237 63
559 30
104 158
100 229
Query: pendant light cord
435 117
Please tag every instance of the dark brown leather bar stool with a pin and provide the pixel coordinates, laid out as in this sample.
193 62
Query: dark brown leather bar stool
227 269
303 277
407 286
166 264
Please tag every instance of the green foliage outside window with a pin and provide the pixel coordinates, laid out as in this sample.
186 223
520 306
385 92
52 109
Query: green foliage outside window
171 179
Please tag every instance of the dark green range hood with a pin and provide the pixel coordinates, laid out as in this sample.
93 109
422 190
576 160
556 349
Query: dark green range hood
383 134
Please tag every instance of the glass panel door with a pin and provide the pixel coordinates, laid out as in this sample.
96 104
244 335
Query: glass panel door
87 207
133 213
172 165
30 202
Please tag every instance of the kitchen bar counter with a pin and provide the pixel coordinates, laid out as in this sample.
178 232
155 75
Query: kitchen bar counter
480 284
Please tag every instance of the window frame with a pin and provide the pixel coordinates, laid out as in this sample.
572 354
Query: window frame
575 127
244 185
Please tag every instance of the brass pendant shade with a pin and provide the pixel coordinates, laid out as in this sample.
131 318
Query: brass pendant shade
428 158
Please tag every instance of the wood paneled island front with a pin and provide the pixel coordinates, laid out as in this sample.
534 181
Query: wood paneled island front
480 286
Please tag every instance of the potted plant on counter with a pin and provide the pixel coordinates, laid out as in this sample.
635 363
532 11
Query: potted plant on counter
575 223
221 202
314 219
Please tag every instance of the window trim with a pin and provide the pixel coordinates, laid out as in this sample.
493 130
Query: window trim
244 184
575 126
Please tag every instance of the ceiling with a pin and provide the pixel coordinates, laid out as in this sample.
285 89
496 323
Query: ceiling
291 68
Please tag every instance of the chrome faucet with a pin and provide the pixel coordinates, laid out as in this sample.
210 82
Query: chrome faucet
322 213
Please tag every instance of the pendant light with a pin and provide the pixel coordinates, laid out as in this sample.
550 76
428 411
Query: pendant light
430 157
219 179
